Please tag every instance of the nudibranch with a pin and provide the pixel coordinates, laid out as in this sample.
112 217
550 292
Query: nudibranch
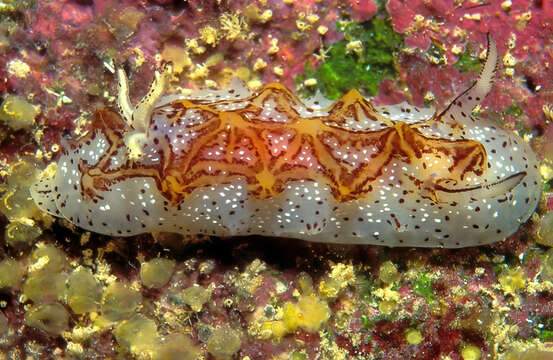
230 163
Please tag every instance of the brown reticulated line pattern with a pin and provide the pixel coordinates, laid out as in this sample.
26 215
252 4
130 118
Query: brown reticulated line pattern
267 173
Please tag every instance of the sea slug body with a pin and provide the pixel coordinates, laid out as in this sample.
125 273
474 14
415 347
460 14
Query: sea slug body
231 163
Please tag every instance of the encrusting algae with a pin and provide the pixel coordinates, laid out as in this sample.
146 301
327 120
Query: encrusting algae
309 313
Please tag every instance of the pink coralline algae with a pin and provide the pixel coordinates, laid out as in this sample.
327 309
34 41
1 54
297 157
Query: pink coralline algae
520 28
66 293
363 10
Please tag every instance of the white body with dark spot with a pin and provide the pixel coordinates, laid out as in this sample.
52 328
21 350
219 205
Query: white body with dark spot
481 210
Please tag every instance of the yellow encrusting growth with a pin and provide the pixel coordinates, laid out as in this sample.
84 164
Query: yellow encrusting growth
234 26
389 299
19 68
259 64
512 280
388 272
208 34
273 49
308 313
178 56
255 14
194 46
199 71
340 277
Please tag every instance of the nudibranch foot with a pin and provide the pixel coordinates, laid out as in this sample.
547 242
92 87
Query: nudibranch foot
230 162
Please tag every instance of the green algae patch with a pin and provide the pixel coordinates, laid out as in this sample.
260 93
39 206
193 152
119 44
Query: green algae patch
120 302
11 274
44 286
361 61
196 296
137 335
546 335
366 288
224 342
83 293
156 273
514 110
424 287
176 347
545 329
51 318
17 113
468 62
